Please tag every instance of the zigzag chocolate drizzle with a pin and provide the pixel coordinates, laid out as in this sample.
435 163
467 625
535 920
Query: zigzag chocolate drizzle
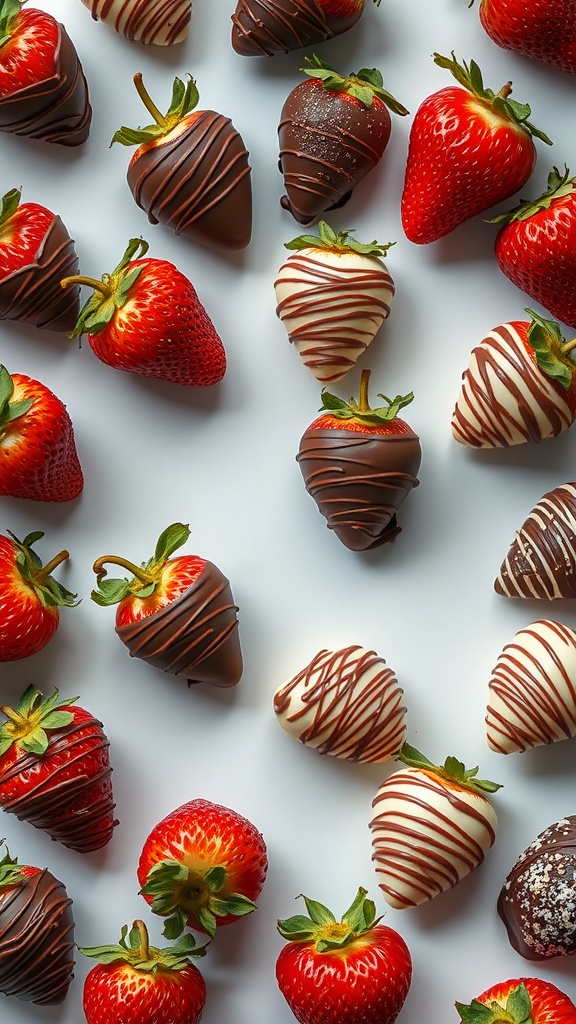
56 110
541 562
36 940
160 22
265 27
33 294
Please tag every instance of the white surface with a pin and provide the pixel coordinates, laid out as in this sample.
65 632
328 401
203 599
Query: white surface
223 460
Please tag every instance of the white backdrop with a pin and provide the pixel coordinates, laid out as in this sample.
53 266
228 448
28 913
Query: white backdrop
223 460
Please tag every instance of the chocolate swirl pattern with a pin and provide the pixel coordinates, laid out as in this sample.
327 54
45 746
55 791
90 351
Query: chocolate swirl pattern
536 902
195 636
359 481
160 22
197 182
346 703
541 562
533 689
427 837
505 398
265 27
33 294
36 940
55 110
332 305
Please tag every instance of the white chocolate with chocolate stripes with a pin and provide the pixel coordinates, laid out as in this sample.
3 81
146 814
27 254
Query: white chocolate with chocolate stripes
541 561
161 22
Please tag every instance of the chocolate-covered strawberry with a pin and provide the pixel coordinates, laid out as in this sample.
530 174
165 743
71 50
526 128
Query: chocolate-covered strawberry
265 27
359 464
36 252
36 934
43 90
190 171
163 23
178 614
333 130
55 772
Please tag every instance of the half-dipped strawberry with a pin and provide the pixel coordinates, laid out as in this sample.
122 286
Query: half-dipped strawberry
333 294
136 983
178 614
55 772
520 386
145 317
38 457
163 23
265 27
353 971
202 867
519 1001
359 464
43 90
545 32
36 934
190 171
469 149
30 597
432 825
36 251
333 131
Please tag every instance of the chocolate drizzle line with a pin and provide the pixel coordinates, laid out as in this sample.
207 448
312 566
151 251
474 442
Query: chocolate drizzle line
195 636
541 562
36 940
160 22
33 294
265 27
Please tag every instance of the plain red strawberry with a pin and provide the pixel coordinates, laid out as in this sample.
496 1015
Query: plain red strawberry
519 1001
266 27
38 457
333 131
536 247
469 149
146 318
36 251
136 983
55 771
176 613
353 971
43 91
202 866
30 597
544 31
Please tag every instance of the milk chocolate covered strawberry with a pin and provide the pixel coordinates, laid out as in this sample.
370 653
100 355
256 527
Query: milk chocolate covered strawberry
265 27
178 614
162 22
359 464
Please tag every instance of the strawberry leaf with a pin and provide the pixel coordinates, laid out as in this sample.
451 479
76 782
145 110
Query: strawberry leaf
172 538
10 201
328 240
139 954
184 99
319 914
110 591
363 86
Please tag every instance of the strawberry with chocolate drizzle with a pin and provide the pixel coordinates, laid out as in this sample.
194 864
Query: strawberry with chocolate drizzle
190 171
159 22
177 614
265 27
359 464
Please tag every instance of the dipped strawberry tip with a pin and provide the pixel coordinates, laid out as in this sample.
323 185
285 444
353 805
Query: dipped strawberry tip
516 1010
361 410
135 950
453 770
551 350
145 577
182 895
110 294
364 85
185 97
341 242
322 928
28 725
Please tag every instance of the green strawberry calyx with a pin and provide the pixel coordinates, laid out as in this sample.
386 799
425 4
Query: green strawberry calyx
551 350
10 410
470 77
363 86
9 11
28 725
11 872
49 591
516 1010
9 203
453 771
135 950
328 240
559 187
181 895
360 410
185 97
323 931
145 577
110 293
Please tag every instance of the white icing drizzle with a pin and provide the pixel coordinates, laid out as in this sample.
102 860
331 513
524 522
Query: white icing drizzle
162 22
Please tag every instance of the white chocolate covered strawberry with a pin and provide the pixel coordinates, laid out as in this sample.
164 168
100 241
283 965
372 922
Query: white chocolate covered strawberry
541 561
432 825
346 703
533 689
520 386
162 22
333 294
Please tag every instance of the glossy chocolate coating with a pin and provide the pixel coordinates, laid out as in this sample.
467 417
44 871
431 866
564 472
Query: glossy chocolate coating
36 940
541 561
197 182
265 27
195 636
56 109
359 481
33 294
537 900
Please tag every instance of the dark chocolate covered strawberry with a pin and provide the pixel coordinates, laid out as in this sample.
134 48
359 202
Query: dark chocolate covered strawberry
265 27
359 464
190 171
178 614
36 934
43 90
36 251
333 130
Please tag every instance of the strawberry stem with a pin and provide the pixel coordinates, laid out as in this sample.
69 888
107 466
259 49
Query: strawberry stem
364 404
51 565
124 563
144 940
147 100
99 286
505 91
569 346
